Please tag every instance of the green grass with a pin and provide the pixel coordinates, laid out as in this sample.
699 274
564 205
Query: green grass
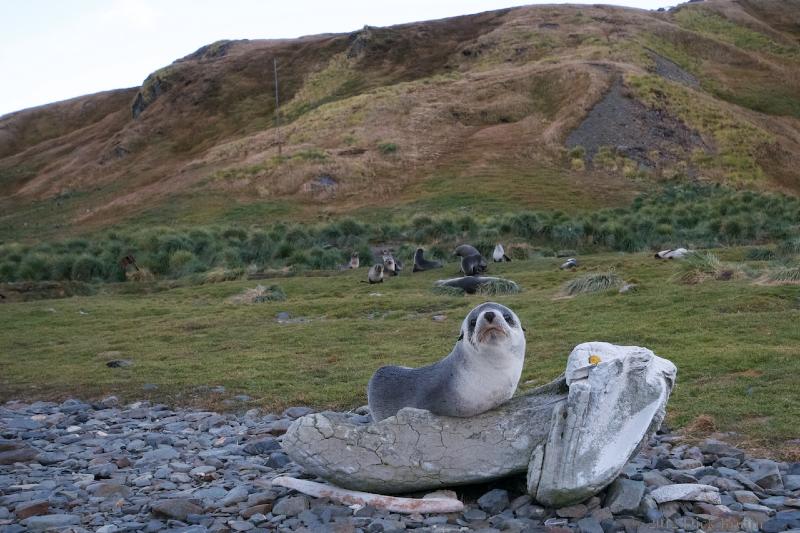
734 342
708 23
738 141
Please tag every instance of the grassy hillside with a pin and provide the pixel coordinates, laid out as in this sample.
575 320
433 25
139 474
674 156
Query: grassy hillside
433 115
734 341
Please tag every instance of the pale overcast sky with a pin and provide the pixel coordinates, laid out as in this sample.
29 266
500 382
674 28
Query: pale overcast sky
55 49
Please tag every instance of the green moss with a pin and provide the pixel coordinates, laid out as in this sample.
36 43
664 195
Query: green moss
387 148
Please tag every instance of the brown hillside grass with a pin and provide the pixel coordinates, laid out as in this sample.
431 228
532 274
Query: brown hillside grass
424 113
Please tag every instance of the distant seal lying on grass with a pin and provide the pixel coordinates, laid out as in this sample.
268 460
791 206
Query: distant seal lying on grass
421 264
473 284
678 253
481 372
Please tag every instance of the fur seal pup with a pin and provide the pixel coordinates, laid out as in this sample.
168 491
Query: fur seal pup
464 250
421 264
499 254
472 262
678 253
481 372
353 264
375 274
473 265
389 266
569 263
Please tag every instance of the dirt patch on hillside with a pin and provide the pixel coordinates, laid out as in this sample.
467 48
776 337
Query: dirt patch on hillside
672 71
650 137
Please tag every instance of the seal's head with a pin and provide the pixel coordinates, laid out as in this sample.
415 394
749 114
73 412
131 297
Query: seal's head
378 268
494 329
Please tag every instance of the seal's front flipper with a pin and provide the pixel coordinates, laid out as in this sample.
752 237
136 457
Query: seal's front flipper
617 399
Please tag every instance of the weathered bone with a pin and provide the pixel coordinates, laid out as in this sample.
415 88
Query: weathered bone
393 504
572 436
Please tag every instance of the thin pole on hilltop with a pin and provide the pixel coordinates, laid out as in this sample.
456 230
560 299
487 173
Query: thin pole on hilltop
277 103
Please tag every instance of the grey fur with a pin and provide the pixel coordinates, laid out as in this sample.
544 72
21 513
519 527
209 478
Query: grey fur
465 250
375 274
469 284
473 265
569 263
476 376
391 265
421 264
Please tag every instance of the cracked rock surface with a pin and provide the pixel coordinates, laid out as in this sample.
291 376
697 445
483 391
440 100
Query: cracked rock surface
572 436
417 450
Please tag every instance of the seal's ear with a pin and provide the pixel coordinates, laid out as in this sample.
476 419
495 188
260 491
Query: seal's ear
461 336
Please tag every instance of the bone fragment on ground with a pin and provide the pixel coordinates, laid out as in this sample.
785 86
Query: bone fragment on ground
379 501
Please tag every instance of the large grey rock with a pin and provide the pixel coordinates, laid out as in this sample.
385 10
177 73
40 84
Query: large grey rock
494 501
177 508
624 495
766 474
51 521
693 492
290 506
572 436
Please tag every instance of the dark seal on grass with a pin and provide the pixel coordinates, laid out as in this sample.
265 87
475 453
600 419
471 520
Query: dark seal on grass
421 264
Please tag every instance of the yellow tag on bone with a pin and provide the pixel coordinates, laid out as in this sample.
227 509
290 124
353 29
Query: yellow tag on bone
594 359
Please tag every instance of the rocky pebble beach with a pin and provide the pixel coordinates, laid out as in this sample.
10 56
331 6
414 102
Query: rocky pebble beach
106 467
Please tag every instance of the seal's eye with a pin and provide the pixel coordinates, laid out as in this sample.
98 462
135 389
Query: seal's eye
509 319
473 323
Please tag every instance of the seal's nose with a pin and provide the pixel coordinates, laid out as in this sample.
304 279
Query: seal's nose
489 316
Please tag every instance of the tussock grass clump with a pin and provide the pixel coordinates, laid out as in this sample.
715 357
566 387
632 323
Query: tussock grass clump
698 267
592 283
789 247
498 286
444 290
760 254
260 294
219 274
784 276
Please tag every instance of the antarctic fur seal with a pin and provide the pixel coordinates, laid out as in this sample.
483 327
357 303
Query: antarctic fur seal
499 254
421 264
391 265
472 262
375 274
678 253
569 264
472 284
481 372
464 250
473 265
353 264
